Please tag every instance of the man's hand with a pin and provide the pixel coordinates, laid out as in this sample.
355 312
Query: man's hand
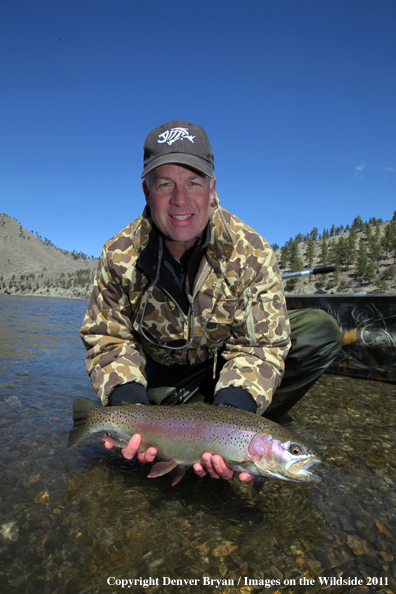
131 449
215 466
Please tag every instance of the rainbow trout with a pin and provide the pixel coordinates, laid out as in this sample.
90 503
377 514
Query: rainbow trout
181 434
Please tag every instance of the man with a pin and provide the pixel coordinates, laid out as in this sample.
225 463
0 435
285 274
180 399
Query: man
188 302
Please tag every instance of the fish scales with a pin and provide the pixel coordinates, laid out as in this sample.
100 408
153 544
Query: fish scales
183 433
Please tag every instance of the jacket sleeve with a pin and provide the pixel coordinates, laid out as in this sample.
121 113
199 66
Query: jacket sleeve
260 331
114 357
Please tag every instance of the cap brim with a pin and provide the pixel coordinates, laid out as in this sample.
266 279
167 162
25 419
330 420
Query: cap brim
180 159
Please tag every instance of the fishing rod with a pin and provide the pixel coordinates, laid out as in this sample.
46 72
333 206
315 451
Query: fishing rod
321 270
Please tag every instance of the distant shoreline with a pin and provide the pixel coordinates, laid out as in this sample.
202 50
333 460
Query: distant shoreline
46 295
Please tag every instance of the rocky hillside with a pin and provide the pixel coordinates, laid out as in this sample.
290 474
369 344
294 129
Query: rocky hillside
346 279
32 265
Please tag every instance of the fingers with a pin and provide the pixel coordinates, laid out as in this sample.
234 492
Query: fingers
213 465
132 448
107 443
246 477
216 468
147 456
199 470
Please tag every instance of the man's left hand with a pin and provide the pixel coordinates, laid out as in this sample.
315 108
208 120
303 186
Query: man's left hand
215 466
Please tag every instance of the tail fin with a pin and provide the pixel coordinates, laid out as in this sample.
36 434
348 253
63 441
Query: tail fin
81 407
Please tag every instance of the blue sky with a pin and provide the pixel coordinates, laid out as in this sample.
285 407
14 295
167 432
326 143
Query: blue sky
296 96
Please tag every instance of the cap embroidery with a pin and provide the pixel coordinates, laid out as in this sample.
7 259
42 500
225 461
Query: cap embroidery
170 136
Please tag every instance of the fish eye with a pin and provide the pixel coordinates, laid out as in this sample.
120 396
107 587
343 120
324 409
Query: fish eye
295 449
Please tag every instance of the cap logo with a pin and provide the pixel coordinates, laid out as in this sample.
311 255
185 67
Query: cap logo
170 136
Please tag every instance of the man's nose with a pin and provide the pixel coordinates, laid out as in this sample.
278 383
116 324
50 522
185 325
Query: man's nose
180 196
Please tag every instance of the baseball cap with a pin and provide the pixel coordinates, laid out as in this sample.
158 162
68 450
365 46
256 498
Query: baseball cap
181 143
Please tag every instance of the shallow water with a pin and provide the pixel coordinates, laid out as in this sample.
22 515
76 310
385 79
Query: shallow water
72 519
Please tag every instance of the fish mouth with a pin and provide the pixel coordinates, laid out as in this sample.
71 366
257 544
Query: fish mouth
293 470
299 469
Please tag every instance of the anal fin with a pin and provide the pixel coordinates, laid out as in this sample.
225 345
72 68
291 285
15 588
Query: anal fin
177 474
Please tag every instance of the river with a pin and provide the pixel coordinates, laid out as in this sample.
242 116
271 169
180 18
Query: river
83 520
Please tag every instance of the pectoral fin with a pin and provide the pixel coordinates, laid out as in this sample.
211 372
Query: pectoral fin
244 466
257 484
115 440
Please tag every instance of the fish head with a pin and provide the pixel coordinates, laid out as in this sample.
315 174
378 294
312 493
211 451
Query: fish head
285 456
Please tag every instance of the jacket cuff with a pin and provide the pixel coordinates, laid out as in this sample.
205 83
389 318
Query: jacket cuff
237 398
133 393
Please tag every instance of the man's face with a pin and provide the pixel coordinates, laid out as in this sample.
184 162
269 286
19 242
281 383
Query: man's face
179 201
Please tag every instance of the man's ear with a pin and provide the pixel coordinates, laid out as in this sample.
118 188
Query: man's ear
212 191
146 192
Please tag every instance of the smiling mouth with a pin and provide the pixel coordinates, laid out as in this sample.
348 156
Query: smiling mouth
181 217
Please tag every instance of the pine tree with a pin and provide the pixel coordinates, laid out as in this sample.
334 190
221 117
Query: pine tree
294 258
299 238
386 241
310 252
284 256
393 243
361 258
342 250
369 273
367 232
333 253
357 224
324 250
351 248
375 249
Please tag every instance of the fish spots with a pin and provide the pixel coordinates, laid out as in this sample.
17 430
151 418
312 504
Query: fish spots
183 433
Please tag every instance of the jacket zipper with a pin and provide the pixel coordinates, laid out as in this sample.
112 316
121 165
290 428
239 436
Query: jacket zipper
215 363
204 275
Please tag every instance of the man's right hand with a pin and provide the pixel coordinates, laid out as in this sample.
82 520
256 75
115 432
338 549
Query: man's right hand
131 450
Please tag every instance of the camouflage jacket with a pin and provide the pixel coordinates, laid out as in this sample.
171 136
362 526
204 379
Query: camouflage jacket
239 307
